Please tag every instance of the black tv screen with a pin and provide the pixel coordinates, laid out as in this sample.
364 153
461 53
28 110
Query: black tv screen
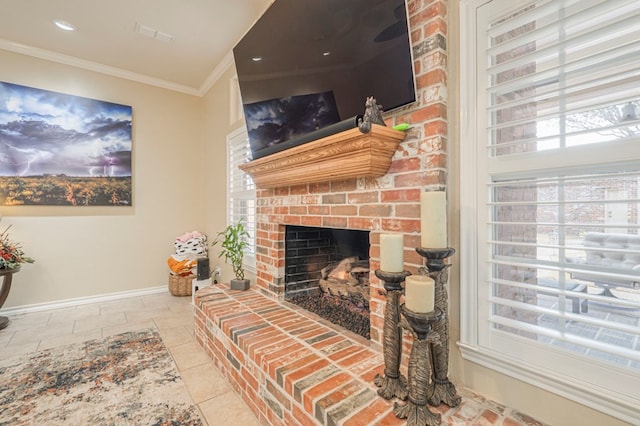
306 68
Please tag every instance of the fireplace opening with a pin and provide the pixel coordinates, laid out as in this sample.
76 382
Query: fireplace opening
327 273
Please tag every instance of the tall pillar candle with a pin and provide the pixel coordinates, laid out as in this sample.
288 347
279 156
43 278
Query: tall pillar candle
433 219
419 293
391 252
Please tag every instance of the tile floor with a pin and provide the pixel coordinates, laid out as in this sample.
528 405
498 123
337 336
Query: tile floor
173 318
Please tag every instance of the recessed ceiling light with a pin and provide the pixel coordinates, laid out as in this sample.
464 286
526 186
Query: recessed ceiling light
256 58
327 53
64 25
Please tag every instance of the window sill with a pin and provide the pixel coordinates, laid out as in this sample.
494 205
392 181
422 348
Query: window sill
595 397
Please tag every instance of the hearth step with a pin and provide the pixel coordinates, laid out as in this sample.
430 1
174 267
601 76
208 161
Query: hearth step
289 365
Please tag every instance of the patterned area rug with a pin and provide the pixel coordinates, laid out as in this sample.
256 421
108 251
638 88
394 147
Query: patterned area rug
127 379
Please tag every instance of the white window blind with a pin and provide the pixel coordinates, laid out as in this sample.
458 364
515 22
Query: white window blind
241 191
554 159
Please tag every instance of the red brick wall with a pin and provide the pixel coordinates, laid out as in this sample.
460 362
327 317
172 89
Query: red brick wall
386 204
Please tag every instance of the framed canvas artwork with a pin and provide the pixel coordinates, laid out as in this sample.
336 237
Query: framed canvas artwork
63 150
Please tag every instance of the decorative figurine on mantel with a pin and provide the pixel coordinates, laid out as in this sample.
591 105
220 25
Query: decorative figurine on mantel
372 115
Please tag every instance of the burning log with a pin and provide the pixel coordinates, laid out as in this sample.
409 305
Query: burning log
347 279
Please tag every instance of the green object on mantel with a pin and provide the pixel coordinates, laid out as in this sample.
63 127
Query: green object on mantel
402 126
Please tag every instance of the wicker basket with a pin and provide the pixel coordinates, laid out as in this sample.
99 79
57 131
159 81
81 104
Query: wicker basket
180 286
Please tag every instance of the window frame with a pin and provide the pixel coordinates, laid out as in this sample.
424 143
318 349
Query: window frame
576 385
239 136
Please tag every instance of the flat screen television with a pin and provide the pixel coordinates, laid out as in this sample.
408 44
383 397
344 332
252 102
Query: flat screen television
306 68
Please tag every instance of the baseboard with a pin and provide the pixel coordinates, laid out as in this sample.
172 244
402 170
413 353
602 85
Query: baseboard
25 309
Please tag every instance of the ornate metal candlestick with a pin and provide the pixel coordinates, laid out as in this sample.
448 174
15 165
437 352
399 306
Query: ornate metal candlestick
416 410
392 384
444 390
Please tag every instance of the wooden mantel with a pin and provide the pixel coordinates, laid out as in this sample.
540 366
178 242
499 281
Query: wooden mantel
345 155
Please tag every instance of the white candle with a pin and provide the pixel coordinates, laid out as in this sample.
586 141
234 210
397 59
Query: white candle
391 252
433 219
419 293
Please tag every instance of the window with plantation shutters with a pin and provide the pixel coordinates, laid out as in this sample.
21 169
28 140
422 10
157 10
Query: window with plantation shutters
551 195
241 191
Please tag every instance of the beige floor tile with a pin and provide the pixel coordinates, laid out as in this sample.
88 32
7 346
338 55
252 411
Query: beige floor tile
159 299
227 409
121 305
175 336
75 313
24 321
148 314
188 355
182 308
68 339
101 321
191 330
204 382
174 320
15 350
42 332
5 336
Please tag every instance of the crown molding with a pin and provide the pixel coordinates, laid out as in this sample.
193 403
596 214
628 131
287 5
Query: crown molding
217 72
97 67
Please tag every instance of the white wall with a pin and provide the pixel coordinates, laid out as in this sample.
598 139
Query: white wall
87 251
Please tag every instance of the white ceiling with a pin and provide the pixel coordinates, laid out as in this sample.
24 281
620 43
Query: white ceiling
204 33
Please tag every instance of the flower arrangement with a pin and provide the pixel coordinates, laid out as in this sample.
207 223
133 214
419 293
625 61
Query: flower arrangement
11 254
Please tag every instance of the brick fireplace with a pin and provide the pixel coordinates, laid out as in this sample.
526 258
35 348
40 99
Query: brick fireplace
390 203
290 367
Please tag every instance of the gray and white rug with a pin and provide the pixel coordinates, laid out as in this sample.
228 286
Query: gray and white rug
126 379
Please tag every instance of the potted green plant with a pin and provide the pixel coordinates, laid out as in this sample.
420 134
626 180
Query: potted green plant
233 241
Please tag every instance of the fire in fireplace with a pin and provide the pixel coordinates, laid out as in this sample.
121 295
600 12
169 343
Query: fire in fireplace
327 272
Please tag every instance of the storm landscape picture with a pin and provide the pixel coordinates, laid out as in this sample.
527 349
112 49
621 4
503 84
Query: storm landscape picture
58 149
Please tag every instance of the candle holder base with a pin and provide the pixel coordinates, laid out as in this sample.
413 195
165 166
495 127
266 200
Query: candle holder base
416 410
390 386
392 383
444 392
417 414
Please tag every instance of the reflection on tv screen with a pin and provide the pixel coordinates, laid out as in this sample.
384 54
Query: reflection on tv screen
274 121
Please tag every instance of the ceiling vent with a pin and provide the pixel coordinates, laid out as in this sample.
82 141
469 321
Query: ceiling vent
152 33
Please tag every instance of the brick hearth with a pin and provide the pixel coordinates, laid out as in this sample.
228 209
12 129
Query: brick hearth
290 366
293 368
